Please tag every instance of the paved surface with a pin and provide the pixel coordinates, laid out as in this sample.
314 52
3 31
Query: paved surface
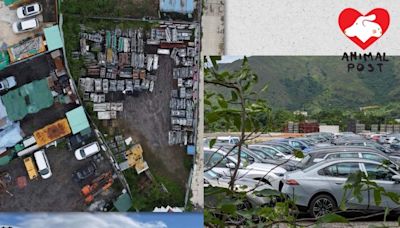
147 119
197 179
7 36
213 27
58 193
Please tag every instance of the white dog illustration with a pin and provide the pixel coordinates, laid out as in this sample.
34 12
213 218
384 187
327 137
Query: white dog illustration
364 28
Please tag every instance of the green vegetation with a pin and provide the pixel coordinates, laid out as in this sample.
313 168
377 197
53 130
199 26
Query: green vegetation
111 8
147 197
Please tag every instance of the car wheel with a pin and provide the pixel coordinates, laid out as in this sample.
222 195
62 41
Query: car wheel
322 205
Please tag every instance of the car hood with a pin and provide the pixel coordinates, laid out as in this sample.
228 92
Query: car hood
266 167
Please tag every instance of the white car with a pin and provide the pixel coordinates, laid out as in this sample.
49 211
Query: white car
87 151
25 26
42 164
275 152
29 10
249 186
8 83
228 139
224 165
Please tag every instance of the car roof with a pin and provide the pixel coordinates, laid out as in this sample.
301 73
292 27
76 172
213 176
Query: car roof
31 23
345 149
341 160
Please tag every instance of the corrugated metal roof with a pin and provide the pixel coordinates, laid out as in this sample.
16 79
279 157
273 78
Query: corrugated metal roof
77 120
53 38
177 6
123 203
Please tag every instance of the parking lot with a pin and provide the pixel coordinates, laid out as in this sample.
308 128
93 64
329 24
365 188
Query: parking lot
58 193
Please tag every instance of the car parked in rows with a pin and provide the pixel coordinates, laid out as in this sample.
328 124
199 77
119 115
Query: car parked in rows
299 144
224 164
319 188
85 172
349 152
273 152
30 10
87 151
282 147
25 25
8 83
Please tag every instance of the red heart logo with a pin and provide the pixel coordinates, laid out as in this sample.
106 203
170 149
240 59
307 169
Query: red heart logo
364 30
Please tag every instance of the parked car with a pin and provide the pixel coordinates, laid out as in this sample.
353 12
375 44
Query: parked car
8 83
319 188
224 164
259 156
349 152
87 151
282 147
25 26
228 139
273 152
298 144
29 10
42 164
84 172
250 186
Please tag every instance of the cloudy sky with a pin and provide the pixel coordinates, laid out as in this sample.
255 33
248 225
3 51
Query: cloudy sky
106 220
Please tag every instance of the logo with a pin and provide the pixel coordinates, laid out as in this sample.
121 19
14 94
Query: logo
364 30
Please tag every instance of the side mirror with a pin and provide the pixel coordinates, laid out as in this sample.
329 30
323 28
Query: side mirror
251 159
303 147
396 179
230 165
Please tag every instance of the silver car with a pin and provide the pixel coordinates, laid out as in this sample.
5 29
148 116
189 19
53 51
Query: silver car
320 187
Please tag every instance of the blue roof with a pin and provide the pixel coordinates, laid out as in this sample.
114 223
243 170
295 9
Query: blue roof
177 6
53 38
77 120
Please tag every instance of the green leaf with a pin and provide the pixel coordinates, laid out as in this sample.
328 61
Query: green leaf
298 154
212 117
330 218
377 197
212 142
228 208
234 96
223 103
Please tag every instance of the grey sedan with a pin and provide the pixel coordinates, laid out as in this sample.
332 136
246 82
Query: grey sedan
320 188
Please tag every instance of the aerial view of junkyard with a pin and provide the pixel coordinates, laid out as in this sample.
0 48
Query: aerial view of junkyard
99 105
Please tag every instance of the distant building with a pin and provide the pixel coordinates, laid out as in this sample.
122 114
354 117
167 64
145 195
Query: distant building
177 6
303 113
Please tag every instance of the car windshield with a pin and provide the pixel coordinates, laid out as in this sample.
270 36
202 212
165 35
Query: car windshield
44 171
212 175
82 153
30 9
274 154
282 149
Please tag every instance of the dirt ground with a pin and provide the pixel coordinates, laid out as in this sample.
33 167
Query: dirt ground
58 193
138 8
147 119
7 36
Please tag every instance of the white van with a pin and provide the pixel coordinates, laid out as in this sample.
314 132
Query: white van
87 151
42 164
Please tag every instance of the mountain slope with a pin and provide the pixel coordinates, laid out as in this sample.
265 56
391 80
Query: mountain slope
315 83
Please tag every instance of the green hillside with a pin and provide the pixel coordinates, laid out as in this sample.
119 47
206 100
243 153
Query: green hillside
316 83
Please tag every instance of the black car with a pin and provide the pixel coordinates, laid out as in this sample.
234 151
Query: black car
86 172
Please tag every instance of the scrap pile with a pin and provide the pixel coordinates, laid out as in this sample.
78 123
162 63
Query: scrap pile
179 42
116 64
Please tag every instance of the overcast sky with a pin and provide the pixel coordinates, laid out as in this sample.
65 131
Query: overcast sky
102 220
